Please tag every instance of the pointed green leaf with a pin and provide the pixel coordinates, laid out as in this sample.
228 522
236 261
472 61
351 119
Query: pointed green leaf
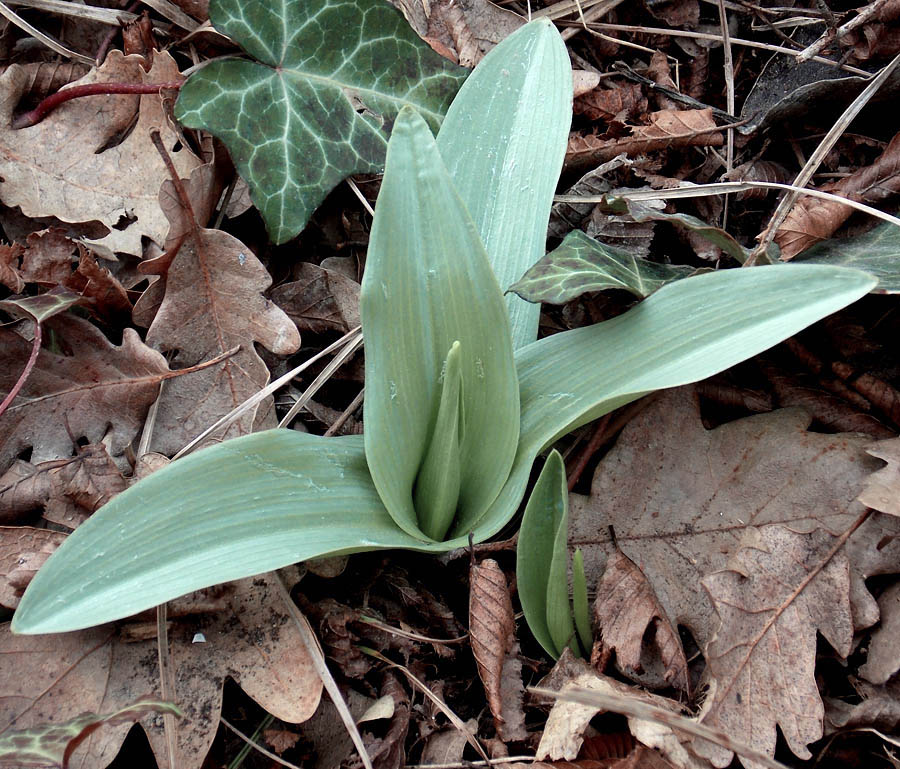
581 264
876 252
545 515
428 284
437 485
580 607
243 507
686 331
328 77
503 141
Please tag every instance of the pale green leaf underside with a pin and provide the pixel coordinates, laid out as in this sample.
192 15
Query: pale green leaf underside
427 285
287 118
877 252
581 264
503 140
537 557
263 501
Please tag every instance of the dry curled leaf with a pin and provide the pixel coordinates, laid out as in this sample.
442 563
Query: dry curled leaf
780 589
51 678
319 300
622 103
492 634
70 166
667 128
66 490
627 614
91 389
814 219
883 659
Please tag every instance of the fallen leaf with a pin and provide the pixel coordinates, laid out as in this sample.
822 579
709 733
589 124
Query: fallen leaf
23 551
628 616
66 490
621 104
51 678
62 166
813 219
389 751
779 590
680 497
581 264
492 634
462 30
97 390
667 128
879 709
883 659
213 302
564 731
9 267
319 300
52 745
882 490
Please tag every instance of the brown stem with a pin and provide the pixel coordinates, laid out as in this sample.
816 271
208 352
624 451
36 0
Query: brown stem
35 116
35 349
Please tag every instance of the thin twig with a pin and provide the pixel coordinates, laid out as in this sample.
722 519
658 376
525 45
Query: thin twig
166 683
318 660
362 198
36 115
466 764
29 366
729 99
321 379
51 42
257 746
734 41
109 16
346 414
629 706
689 190
812 165
828 37
257 398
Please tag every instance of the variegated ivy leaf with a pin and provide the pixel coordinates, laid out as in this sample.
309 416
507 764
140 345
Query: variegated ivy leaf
581 264
326 81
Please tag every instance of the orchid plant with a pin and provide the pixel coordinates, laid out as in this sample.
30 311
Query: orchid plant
459 397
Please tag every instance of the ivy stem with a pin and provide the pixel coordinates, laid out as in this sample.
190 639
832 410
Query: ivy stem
36 115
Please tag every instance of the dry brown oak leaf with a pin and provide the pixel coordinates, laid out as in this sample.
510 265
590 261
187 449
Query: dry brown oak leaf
23 550
320 299
212 303
50 678
882 491
780 589
91 389
680 498
64 166
66 490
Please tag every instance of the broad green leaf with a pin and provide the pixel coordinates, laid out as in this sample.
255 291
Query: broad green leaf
580 607
544 518
503 142
437 485
876 252
240 508
52 745
581 264
686 331
328 78
427 285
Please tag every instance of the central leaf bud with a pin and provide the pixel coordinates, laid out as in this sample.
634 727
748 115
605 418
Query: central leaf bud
436 494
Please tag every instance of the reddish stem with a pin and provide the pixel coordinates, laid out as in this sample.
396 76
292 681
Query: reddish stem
35 349
35 116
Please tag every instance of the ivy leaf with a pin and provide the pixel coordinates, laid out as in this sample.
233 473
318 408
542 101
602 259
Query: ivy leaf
328 79
581 264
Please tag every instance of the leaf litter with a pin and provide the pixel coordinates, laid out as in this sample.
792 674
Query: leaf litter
736 547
